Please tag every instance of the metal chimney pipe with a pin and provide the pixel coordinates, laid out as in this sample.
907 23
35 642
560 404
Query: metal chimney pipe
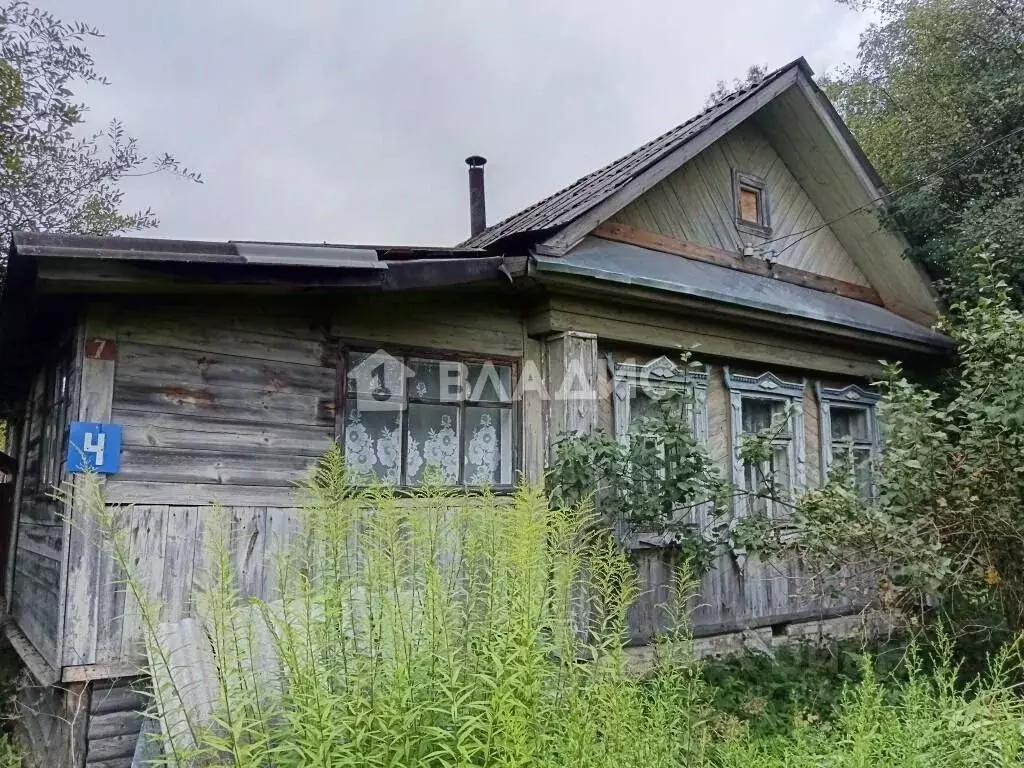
477 200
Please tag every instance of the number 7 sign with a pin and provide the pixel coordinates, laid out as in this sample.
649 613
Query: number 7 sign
95 447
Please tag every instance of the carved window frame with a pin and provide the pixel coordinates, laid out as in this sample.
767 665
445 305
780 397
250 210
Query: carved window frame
744 179
851 397
767 387
659 373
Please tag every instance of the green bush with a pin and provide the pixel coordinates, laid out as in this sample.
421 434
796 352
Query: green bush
929 719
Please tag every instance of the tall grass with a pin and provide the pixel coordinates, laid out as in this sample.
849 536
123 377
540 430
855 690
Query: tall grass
456 630
436 630
931 719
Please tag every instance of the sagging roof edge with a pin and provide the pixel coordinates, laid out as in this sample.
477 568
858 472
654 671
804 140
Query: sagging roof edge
241 263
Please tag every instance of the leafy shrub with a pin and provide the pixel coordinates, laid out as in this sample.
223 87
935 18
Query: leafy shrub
944 529
929 719
654 481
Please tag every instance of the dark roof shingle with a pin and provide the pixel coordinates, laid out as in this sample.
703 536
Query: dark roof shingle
563 207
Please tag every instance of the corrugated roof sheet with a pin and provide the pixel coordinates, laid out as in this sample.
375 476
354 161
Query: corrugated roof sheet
328 255
632 265
566 205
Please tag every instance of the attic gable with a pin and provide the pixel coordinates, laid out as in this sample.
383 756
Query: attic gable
698 204
808 135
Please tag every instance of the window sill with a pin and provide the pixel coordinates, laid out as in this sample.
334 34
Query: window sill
413 491
751 228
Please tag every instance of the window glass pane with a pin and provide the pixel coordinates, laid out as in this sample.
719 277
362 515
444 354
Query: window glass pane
488 446
443 380
750 205
755 481
759 414
780 467
433 442
862 472
490 383
373 442
640 405
849 423
378 377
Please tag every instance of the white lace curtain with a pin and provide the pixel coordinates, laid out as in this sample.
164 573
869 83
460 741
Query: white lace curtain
453 417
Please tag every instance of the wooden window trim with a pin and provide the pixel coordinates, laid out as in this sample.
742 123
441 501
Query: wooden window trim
850 397
405 353
53 413
745 180
662 373
767 386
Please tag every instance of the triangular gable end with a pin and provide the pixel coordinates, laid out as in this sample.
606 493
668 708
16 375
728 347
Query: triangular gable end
803 129
698 204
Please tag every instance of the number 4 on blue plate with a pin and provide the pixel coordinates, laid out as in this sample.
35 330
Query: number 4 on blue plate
95 447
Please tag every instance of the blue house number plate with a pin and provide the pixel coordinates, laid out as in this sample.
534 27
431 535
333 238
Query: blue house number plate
94 446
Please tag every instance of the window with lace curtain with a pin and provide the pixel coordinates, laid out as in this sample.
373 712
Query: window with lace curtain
405 415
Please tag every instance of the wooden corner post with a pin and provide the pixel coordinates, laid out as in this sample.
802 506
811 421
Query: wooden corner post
574 385
88 561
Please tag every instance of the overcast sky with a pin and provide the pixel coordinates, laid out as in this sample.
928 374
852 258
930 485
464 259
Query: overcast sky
343 121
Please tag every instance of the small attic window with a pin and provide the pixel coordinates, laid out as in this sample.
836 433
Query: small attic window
751 204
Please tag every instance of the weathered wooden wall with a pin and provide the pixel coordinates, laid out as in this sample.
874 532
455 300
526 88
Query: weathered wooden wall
50 724
115 717
37 578
221 404
696 204
736 593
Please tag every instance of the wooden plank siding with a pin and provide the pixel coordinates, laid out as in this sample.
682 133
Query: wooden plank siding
794 125
696 203
38 566
220 404
655 327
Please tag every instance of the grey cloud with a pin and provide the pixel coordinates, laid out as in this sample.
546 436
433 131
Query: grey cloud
348 122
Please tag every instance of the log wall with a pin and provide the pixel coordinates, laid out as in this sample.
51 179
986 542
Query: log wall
221 405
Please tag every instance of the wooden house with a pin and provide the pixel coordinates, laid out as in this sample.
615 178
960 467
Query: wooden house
750 233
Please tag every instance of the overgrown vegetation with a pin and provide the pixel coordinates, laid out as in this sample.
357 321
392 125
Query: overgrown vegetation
431 631
455 630
944 528
653 481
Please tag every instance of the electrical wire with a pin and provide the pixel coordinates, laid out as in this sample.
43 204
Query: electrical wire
902 188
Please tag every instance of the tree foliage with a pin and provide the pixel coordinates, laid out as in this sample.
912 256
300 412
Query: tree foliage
651 483
937 94
945 524
754 75
54 174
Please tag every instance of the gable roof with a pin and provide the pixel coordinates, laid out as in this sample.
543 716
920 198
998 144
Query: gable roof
566 205
808 135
